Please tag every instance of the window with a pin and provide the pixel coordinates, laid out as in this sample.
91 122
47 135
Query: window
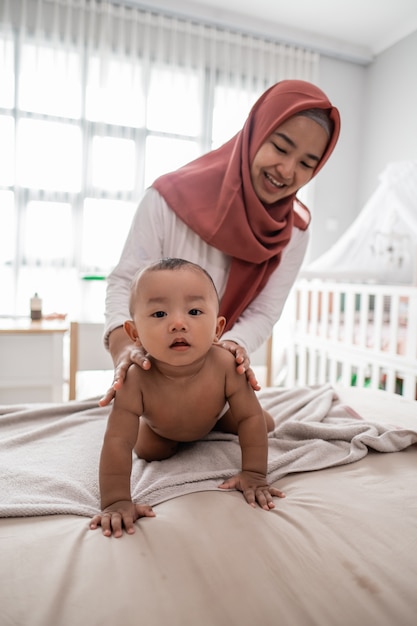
8 229
50 80
51 245
106 152
48 155
180 93
115 91
231 106
96 101
7 150
7 72
105 226
164 154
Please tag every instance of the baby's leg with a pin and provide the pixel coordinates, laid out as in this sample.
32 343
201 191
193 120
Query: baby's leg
227 424
152 447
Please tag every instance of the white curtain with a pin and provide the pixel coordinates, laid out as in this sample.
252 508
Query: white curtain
96 100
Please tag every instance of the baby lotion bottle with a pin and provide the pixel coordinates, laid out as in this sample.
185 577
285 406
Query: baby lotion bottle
35 308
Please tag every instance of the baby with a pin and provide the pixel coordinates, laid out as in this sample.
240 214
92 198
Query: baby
191 389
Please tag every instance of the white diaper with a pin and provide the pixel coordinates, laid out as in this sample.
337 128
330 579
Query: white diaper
223 411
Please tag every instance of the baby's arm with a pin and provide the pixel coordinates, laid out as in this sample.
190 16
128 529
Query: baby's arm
118 510
253 439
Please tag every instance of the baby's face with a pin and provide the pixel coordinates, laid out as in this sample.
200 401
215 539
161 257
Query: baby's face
176 314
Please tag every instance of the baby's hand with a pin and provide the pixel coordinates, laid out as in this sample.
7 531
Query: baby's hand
255 489
119 515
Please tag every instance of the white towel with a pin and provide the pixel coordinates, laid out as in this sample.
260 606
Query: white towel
49 454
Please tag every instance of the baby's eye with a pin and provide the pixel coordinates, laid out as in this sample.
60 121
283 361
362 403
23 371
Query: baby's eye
159 314
194 312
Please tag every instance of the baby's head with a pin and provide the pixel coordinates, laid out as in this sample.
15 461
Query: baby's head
170 264
174 308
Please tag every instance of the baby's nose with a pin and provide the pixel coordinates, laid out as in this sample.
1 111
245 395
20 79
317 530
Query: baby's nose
178 323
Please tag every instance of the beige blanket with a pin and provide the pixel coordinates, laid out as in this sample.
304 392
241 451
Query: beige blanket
49 453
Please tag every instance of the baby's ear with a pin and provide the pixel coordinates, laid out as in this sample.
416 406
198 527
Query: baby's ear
221 323
130 329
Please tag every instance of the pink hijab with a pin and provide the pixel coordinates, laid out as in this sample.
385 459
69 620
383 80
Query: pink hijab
214 196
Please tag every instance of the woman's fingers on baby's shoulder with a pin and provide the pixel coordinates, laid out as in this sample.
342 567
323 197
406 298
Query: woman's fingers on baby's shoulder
140 358
108 397
250 375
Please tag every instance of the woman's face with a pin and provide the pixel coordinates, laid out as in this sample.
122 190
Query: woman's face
288 158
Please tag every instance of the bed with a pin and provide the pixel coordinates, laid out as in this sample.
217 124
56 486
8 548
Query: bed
356 333
340 549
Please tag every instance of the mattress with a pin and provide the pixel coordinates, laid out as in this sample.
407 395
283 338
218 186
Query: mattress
339 549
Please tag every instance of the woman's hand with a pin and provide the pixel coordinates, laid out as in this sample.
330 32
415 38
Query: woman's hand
127 353
242 361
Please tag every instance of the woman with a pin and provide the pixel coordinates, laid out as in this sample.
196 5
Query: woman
234 211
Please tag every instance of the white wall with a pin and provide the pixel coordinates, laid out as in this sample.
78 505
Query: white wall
335 200
378 106
391 112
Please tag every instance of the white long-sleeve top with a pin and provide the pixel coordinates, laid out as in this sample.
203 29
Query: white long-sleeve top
156 232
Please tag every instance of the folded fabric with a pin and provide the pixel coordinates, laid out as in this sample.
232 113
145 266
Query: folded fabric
49 453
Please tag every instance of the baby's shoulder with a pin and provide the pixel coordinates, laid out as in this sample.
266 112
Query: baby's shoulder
223 358
135 377
130 394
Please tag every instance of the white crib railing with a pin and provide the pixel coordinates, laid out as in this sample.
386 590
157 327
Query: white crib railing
354 334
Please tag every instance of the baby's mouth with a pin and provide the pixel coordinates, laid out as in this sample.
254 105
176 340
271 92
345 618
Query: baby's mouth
180 343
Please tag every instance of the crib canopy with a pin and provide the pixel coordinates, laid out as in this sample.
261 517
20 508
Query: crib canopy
381 244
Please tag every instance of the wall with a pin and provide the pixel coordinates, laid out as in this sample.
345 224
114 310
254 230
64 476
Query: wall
335 197
391 112
379 125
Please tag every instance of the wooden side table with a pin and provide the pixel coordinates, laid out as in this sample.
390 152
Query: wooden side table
31 361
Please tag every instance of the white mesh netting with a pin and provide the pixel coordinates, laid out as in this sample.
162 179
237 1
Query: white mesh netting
381 244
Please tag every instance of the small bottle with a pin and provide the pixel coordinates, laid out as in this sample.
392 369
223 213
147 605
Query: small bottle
35 308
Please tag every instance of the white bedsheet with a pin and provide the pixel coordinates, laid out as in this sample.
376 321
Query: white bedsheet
339 550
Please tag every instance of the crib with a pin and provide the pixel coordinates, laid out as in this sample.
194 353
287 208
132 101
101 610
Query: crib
355 334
